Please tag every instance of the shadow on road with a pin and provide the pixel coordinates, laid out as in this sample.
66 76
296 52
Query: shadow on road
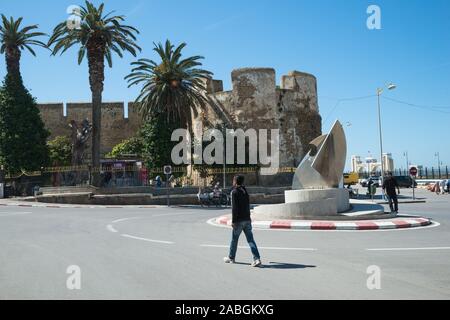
280 265
379 197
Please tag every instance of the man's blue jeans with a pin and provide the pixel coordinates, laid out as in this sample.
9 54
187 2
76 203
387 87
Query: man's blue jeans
245 226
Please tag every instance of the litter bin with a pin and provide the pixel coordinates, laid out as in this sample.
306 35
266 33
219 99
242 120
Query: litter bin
2 194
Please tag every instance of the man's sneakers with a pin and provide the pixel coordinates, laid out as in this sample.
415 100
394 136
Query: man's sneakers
228 260
256 263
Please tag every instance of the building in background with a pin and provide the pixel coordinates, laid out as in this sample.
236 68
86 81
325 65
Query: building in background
388 162
372 165
357 165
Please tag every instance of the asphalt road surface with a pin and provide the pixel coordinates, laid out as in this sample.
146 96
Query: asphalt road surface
173 253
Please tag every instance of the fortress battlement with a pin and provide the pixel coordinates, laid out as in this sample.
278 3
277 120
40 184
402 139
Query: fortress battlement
255 101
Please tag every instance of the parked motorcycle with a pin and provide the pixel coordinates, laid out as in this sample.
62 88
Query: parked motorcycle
213 197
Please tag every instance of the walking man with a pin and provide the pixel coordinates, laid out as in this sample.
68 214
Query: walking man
241 221
389 185
442 184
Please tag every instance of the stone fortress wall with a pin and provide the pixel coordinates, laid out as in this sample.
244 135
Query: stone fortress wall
115 127
255 101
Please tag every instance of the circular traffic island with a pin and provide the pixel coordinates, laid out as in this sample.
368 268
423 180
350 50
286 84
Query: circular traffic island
363 215
400 222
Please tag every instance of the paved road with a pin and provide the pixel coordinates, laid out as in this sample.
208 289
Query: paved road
172 253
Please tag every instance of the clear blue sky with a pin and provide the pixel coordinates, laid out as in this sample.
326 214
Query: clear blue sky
327 38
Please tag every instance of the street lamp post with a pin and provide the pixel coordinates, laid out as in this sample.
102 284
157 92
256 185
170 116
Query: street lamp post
379 92
407 162
439 163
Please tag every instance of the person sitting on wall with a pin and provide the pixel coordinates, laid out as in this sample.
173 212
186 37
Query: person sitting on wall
158 182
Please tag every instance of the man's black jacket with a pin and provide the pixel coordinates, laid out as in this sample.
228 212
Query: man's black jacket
240 202
389 184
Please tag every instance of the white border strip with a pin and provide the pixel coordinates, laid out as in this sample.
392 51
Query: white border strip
408 249
146 239
111 228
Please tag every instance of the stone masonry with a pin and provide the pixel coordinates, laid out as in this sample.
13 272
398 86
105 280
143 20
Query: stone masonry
115 127
254 102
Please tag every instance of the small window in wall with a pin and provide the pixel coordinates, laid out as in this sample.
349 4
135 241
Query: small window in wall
125 110
64 110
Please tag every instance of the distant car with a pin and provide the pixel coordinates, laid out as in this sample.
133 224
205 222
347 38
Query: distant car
376 182
405 181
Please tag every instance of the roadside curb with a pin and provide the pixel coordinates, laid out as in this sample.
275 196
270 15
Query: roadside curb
395 223
75 206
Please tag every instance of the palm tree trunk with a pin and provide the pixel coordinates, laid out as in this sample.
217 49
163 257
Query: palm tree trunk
96 78
12 57
96 126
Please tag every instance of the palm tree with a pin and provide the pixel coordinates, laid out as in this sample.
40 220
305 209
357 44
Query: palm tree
13 39
98 36
174 86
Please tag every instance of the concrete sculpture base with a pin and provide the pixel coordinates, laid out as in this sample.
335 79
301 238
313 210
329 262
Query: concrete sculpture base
306 203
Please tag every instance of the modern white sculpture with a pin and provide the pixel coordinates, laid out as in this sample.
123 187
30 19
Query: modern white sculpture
316 184
323 166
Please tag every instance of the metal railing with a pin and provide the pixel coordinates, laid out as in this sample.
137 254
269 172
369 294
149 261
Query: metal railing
24 183
422 173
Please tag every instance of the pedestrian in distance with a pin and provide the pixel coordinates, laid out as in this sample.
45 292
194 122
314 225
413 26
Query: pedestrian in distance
389 186
241 221
437 187
158 182
369 187
442 184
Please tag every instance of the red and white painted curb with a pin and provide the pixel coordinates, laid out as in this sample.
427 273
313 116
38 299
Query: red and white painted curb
395 223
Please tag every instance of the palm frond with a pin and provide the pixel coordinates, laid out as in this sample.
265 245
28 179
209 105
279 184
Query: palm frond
96 28
174 86
12 36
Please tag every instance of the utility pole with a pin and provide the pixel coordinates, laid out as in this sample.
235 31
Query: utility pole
439 163
224 130
390 86
407 161
379 91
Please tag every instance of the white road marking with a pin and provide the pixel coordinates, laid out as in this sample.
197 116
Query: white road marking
145 239
124 219
409 249
111 228
173 214
5 214
263 248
